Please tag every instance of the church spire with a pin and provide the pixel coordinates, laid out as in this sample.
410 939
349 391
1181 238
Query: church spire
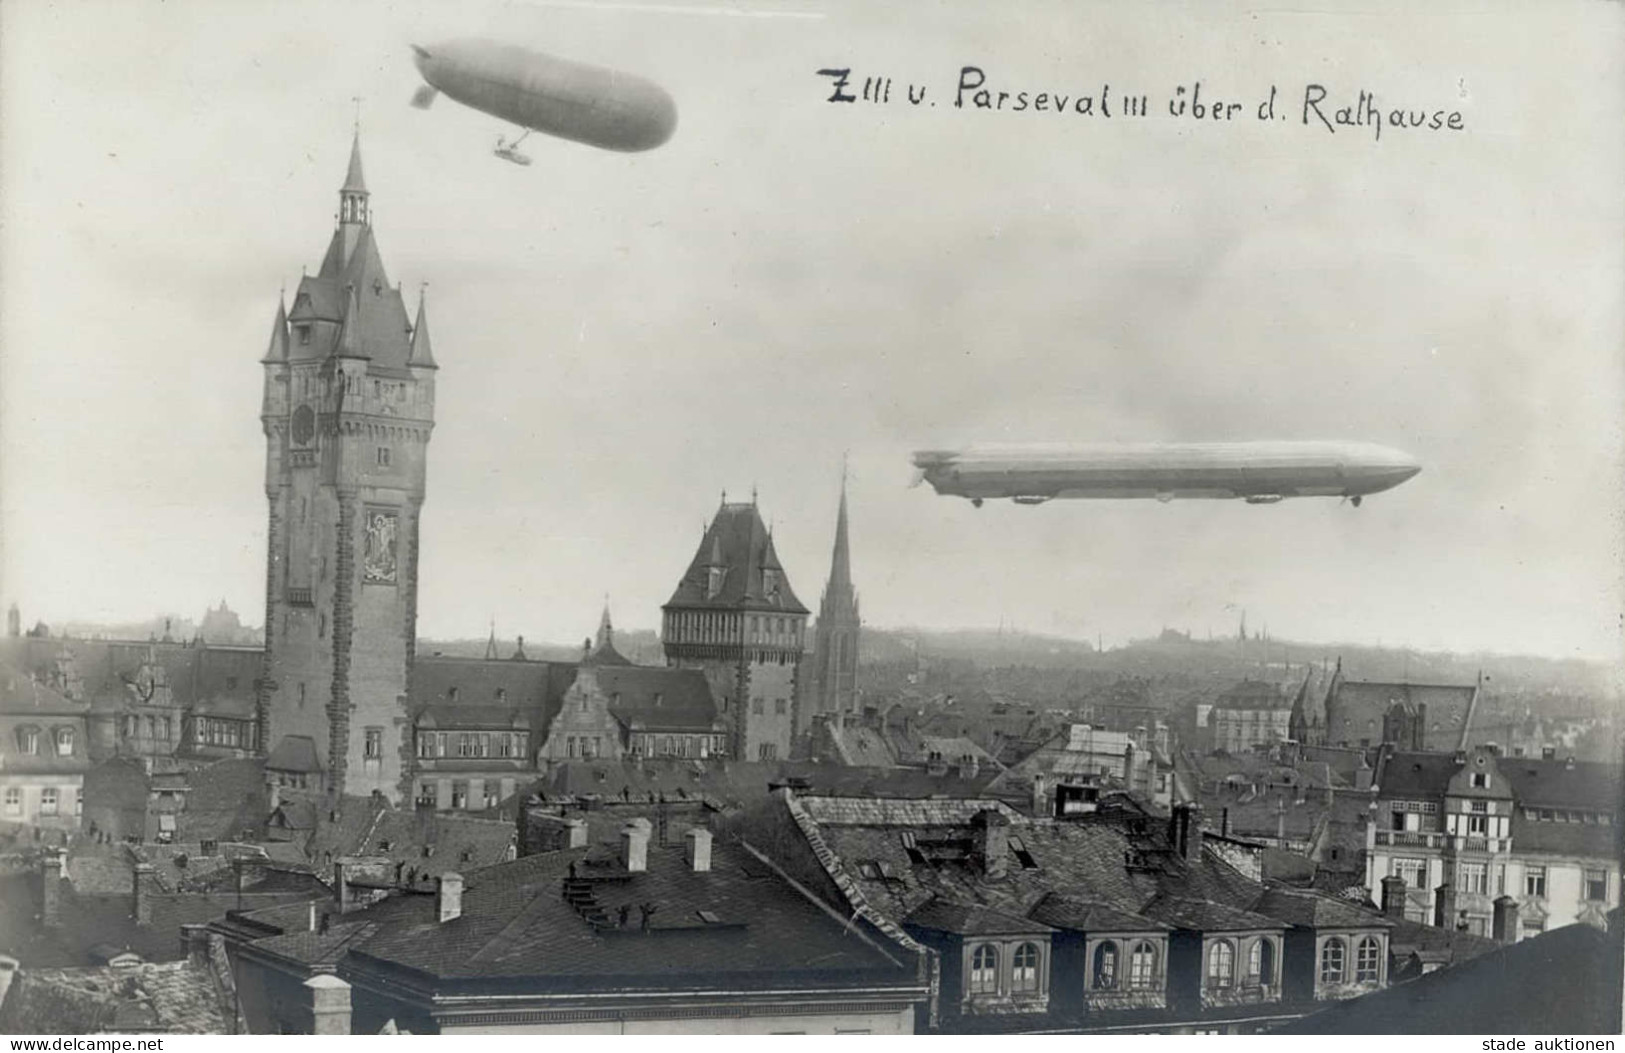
840 567
353 194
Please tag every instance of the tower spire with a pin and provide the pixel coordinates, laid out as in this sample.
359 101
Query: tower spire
840 567
353 194
422 353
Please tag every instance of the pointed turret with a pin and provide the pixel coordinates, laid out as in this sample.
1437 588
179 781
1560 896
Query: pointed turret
601 649
606 630
422 353
277 351
349 345
491 644
353 194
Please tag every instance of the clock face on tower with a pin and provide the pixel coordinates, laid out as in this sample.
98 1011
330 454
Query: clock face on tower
304 425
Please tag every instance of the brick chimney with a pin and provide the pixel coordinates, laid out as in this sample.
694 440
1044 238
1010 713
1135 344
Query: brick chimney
576 830
635 845
1393 897
195 944
448 896
698 843
143 887
1444 906
1185 831
341 886
51 890
992 831
1506 919
329 1005
1041 805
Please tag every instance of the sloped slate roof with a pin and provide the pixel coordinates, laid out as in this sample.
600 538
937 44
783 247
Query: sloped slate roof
294 753
1563 982
1316 912
1080 915
514 923
1584 785
1202 915
171 997
657 698
1416 774
971 919
861 811
738 541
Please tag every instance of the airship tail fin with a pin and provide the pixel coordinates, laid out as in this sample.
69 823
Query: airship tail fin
424 97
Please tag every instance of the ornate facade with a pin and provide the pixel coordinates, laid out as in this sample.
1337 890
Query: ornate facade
348 409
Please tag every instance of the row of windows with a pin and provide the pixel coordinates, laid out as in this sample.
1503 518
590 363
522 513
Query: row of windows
1221 964
984 969
732 627
50 801
159 729
1105 974
780 706
31 741
505 744
1334 960
678 745
216 731
429 794
1557 815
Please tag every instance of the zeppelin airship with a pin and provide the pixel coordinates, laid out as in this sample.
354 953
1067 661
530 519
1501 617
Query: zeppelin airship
1255 472
585 104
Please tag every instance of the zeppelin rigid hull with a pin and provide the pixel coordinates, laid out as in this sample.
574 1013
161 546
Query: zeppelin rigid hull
569 100
1256 472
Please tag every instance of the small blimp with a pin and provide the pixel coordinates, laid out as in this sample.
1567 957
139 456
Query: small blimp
1255 472
585 104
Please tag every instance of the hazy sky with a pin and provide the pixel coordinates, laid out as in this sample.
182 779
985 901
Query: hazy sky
622 337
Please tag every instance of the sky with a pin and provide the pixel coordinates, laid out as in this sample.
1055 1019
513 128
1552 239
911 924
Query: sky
790 281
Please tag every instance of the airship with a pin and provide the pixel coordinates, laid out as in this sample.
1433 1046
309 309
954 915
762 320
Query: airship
585 104
1255 472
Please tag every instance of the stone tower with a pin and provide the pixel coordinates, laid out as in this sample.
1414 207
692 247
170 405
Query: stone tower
348 409
834 681
734 616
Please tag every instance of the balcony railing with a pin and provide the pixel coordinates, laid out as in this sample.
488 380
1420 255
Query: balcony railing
1410 838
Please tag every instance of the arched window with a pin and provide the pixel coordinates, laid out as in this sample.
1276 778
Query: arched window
1142 965
1368 959
1332 956
984 970
1105 970
1221 964
1024 968
1261 962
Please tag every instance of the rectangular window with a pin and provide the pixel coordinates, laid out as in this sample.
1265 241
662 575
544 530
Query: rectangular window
1534 881
768 751
47 801
426 795
1414 871
1596 885
64 742
459 795
1474 878
373 745
780 706
14 801
1478 825
756 706
383 456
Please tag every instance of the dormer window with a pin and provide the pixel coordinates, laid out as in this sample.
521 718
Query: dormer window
713 582
304 333
28 740
770 582
1481 780
64 742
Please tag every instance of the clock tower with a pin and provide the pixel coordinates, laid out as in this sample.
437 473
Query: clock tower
348 409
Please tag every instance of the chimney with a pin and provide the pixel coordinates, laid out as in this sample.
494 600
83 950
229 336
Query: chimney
968 766
699 850
576 829
1444 907
51 890
1040 795
1224 822
992 831
448 896
1506 919
1185 831
329 1005
1568 765
1393 897
195 944
143 886
635 845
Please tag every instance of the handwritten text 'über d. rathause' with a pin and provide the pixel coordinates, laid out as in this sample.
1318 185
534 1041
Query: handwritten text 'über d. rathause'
1318 106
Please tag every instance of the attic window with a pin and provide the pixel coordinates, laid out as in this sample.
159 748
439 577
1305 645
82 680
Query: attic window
1481 780
304 333
383 846
708 917
468 855
869 870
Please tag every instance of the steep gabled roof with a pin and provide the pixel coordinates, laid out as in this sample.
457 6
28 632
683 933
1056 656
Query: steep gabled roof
971 919
739 544
1316 912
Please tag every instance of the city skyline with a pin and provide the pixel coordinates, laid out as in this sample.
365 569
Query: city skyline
621 339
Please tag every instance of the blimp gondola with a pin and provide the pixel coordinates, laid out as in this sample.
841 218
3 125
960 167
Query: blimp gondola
1255 472
568 100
